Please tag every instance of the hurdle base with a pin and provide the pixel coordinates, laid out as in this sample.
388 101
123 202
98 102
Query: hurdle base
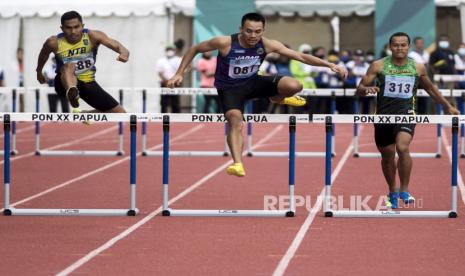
7 212
78 153
328 214
73 212
286 154
13 152
290 214
413 154
452 214
186 153
230 213
166 213
391 214
462 155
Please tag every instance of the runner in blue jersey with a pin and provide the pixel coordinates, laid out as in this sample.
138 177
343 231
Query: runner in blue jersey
236 79
395 80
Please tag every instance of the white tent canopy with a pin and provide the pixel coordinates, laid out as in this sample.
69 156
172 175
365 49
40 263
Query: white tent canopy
143 26
87 8
306 8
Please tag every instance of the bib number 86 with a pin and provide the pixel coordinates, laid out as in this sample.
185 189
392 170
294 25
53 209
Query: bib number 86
83 64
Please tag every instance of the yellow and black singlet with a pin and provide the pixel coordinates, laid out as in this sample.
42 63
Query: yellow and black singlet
80 53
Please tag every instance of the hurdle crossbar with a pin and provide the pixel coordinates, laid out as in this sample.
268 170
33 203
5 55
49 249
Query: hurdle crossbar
39 152
438 154
332 93
179 91
11 211
329 120
259 118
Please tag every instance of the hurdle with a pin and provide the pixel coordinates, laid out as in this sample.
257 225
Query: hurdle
460 94
91 117
333 93
39 152
421 93
14 103
291 119
179 91
330 120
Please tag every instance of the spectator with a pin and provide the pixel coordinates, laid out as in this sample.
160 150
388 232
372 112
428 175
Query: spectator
460 63
166 68
357 69
207 66
386 51
442 62
419 55
2 78
20 59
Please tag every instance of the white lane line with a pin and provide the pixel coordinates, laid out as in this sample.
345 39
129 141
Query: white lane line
93 135
460 183
285 260
150 216
110 165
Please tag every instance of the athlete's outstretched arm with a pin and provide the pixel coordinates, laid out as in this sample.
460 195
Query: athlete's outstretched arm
102 38
365 87
433 91
217 43
50 45
278 47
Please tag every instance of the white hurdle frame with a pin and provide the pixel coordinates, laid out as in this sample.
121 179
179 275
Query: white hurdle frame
39 152
330 120
291 119
14 91
179 91
8 118
331 92
420 93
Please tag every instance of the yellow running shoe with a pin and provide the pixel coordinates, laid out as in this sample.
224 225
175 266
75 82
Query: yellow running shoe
236 169
78 110
292 101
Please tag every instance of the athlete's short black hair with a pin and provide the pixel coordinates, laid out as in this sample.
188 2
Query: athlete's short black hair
253 16
399 34
70 15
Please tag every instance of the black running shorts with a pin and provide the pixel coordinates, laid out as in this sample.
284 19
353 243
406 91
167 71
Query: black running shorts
91 93
256 87
385 134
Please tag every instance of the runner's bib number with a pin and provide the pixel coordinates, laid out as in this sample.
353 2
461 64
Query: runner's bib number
399 86
83 65
243 68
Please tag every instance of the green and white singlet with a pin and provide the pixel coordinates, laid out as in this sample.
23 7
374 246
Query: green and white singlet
398 88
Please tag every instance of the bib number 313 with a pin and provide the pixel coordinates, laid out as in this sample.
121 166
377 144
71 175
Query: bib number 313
399 87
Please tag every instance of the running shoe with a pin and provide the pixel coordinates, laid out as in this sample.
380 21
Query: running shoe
392 200
292 101
73 96
78 110
406 197
236 169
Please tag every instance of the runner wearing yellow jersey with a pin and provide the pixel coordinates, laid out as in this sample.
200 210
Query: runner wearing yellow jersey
75 50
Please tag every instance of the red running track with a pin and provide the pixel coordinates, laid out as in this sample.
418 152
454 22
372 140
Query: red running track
150 244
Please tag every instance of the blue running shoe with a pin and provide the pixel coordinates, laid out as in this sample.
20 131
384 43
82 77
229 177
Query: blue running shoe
406 197
392 200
